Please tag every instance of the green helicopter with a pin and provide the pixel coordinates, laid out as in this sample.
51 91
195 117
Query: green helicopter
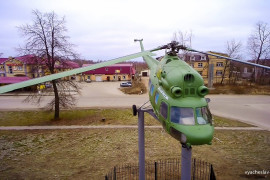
176 93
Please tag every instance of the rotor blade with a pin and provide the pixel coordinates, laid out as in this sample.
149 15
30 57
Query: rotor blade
232 59
51 77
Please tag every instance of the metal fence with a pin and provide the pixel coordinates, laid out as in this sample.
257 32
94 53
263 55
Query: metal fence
169 169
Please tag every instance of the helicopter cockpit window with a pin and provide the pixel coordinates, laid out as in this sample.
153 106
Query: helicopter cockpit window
203 115
182 115
164 110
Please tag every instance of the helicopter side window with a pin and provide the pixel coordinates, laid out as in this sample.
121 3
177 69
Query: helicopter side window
164 110
203 115
182 116
151 89
156 97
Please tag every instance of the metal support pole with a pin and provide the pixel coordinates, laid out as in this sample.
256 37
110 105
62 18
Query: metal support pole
186 163
141 144
210 75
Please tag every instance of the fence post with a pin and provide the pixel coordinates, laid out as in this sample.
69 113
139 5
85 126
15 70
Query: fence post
156 174
212 173
194 169
114 173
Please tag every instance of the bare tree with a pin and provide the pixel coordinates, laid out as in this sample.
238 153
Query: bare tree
258 44
184 38
45 39
233 49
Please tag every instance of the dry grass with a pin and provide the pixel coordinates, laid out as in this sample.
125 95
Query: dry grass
90 117
90 154
240 89
225 122
73 117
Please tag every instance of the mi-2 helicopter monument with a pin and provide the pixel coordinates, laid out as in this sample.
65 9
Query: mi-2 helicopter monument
176 93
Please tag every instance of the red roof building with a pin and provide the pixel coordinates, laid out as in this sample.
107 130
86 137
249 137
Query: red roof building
116 72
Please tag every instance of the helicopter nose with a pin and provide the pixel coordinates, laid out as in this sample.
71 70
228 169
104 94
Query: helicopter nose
199 134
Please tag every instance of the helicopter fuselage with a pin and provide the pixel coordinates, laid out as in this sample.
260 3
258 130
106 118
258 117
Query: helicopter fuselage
176 93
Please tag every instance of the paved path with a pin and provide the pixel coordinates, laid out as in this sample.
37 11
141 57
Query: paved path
252 109
109 127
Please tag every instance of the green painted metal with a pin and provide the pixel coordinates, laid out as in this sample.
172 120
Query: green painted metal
176 87
8 88
180 86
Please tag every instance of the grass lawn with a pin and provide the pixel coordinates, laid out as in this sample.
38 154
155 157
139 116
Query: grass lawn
90 117
91 153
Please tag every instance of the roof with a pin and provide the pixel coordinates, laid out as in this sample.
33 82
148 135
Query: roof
32 59
3 60
11 80
114 65
68 65
218 53
112 69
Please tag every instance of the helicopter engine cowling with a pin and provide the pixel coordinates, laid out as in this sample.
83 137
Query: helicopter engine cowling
176 91
203 91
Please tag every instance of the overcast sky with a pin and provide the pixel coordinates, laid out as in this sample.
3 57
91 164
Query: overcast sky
105 29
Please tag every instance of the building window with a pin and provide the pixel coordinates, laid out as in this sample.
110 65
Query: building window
219 73
192 58
19 68
219 64
10 69
106 69
203 58
164 110
200 65
200 72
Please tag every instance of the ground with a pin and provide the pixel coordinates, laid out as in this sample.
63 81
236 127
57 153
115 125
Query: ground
91 153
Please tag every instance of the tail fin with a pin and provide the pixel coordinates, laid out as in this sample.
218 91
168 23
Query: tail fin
141 44
151 62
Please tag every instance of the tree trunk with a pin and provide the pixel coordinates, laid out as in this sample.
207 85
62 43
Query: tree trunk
56 99
224 71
